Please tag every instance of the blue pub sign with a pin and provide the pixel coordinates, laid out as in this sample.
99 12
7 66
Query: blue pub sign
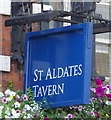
58 64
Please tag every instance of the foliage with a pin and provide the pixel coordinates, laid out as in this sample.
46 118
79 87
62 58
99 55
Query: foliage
19 105
10 85
99 107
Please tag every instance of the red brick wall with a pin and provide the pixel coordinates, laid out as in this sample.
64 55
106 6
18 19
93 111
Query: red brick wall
15 75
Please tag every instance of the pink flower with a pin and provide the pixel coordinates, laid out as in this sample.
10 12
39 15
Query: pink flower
100 91
92 99
92 113
107 87
108 96
24 110
98 82
46 119
19 101
69 116
80 108
73 107
17 111
4 100
97 114
36 116
93 90
17 96
25 98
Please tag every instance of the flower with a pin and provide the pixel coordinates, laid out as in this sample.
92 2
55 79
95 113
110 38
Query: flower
107 86
93 99
29 115
80 108
100 91
7 92
17 104
46 119
97 114
12 93
27 107
98 82
4 100
1 94
15 113
25 98
24 110
93 90
107 115
11 97
108 96
73 107
69 116
93 114
19 101
17 96
108 102
18 107
1 107
8 99
36 107
36 116
6 116
7 111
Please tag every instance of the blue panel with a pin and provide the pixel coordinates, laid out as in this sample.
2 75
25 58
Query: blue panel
58 64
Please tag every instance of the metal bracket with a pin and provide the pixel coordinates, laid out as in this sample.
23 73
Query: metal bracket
102 26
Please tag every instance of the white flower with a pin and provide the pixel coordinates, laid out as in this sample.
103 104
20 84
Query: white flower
1 94
9 99
25 117
29 116
0 114
108 102
27 107
17 105
35 108
1 107
7 112
12 93
7 92
15 113
34 102
6 116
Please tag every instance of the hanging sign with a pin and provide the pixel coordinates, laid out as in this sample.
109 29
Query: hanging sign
58 64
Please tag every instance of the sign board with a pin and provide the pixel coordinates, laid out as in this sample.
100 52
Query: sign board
58 64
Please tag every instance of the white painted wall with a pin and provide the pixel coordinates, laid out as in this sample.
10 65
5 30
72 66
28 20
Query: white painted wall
5 7
4 63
